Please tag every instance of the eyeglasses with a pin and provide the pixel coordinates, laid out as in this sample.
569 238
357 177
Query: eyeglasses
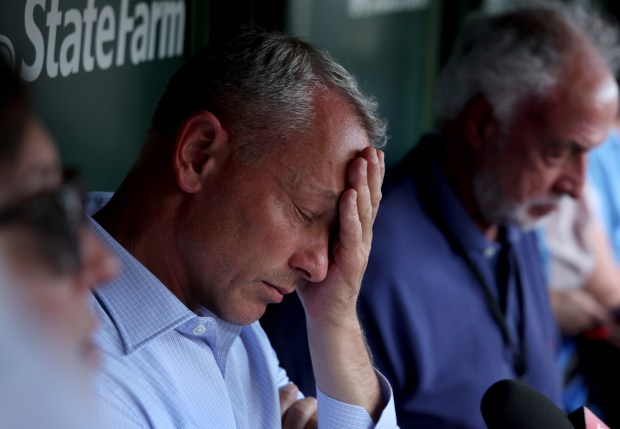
55 218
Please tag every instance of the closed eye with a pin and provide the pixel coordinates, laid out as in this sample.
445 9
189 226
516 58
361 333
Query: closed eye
305 215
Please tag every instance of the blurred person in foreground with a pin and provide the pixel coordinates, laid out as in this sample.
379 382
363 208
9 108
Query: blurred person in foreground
48 261
260 176
454 297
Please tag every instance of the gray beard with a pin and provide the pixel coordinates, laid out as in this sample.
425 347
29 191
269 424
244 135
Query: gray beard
497 209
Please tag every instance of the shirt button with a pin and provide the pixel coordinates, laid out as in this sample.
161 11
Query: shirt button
199 330
489 252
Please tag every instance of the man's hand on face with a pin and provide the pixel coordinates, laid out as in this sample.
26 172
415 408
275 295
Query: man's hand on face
342 366
333 301
297 413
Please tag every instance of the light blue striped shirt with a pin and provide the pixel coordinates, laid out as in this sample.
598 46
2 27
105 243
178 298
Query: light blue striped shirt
165 366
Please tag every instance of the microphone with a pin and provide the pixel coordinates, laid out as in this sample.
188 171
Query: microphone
510 404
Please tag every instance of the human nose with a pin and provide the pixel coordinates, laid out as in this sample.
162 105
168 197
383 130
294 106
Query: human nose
98 264
312 259
573 176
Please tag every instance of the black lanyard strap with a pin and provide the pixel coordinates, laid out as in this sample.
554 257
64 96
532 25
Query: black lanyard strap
432 206
520 359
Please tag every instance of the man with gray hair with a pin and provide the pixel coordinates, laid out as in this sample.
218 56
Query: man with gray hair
454 296
260 176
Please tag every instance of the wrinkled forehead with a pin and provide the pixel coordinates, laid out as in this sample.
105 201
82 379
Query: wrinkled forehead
583 104
320 160
338 126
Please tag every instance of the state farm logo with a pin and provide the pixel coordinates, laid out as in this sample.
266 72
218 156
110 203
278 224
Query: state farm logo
7 52
70 41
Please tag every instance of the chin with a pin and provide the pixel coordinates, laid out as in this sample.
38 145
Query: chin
539 212
525 216
245 321
243 318
499 209
532 214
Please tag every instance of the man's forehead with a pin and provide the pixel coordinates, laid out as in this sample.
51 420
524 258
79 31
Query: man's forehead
318 185
317 159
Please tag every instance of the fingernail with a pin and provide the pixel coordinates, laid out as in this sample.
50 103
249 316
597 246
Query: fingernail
353 198
375 158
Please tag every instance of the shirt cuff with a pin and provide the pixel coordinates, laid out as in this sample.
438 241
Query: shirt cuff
335 414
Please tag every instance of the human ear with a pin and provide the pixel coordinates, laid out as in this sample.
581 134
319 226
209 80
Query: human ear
200 144
480 126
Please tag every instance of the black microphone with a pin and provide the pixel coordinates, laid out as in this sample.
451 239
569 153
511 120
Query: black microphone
510 404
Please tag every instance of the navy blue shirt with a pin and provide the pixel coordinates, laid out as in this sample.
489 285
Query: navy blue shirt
428 323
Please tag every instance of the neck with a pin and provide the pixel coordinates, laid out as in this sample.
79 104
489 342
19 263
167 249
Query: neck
140 216
458 166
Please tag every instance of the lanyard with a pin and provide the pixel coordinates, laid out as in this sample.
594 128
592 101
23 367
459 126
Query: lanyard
517 348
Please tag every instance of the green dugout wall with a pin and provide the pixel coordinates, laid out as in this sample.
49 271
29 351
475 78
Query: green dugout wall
97 67
391 47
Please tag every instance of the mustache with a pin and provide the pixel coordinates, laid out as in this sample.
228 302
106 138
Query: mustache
553 200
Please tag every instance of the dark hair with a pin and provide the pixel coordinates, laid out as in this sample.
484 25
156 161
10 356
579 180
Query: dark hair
14 111
260 85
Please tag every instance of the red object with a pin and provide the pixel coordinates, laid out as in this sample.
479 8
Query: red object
583 418
601 332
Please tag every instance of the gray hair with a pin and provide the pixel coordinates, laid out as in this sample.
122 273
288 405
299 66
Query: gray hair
261 85
510 56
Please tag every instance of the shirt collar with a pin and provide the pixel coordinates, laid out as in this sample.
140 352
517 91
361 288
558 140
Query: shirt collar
135 292
143 308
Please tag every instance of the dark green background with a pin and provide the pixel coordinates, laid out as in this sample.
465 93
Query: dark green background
99 118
